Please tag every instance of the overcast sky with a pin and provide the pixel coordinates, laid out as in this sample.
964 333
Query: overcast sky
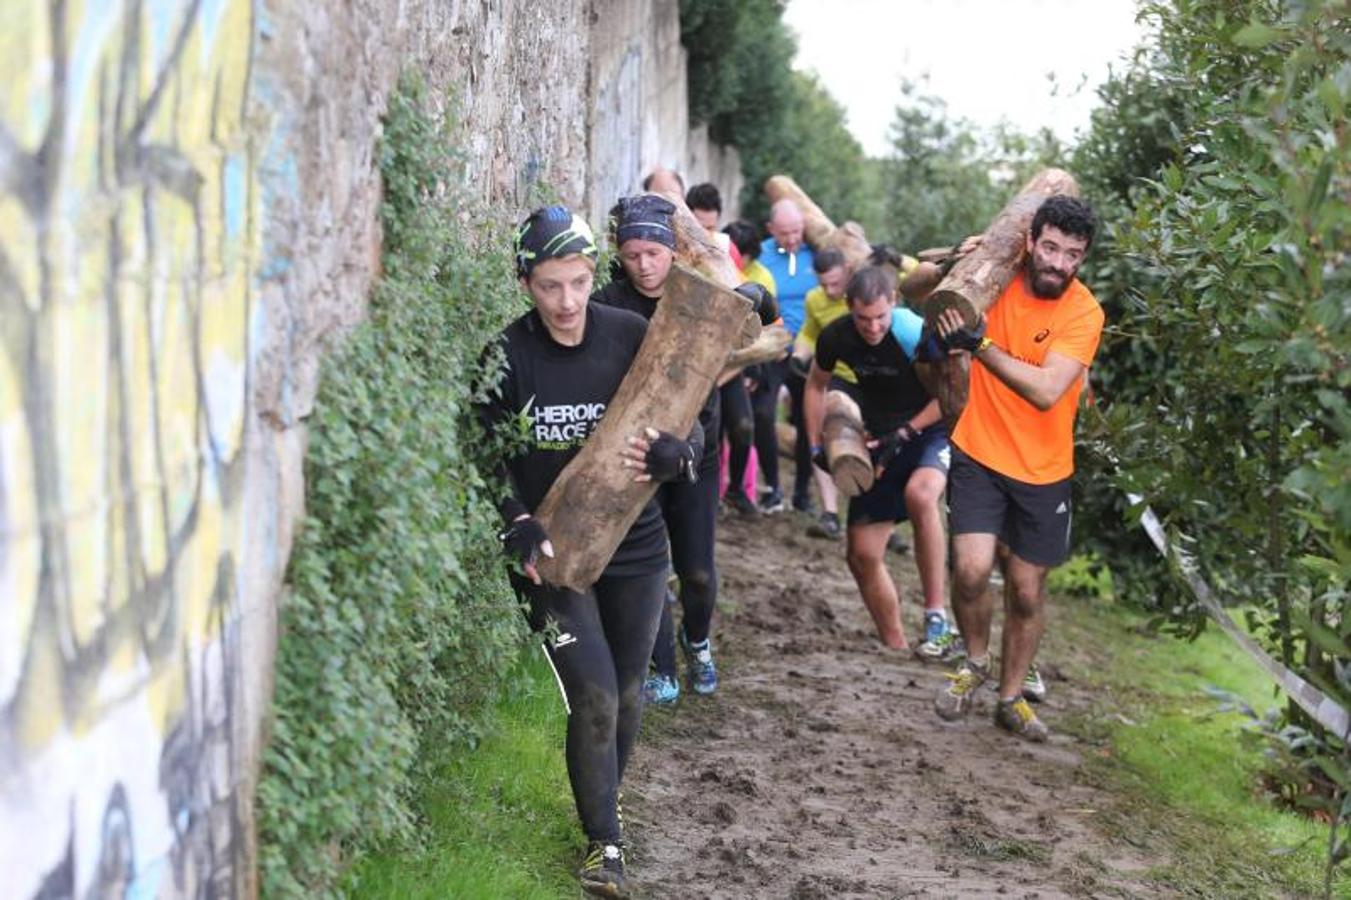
987 59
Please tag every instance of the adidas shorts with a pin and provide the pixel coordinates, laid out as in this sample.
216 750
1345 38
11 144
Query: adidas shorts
1032 519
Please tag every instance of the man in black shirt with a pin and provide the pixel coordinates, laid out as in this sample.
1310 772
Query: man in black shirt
564 361
909 445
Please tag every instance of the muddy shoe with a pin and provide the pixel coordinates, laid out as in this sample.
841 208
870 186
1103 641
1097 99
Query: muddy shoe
827 526
741 504
940 640
699 661
1034 689
661 690
771 502
954 701
1017 716
602 873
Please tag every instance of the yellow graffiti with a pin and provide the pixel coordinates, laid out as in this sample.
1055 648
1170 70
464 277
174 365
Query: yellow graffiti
129 239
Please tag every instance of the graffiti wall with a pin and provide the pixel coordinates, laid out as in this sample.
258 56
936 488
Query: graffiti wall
129 236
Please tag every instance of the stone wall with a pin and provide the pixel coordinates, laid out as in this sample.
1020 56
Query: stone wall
188 219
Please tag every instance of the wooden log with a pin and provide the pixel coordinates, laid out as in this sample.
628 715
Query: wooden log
595 500
700 251
976 281
772 342
818 230
845 443
979 277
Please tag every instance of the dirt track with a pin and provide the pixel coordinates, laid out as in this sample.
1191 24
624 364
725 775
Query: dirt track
819 769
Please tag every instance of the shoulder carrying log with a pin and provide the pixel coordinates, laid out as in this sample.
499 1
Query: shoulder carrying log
977 280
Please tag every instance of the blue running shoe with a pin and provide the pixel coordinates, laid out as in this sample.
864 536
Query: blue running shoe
939 638
661 690
699 660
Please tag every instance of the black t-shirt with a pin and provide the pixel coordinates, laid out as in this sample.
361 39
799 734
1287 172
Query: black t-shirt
564 391
888 391
624 295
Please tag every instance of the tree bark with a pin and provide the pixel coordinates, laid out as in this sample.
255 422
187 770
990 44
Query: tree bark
595 500
818 230
845 442
976 281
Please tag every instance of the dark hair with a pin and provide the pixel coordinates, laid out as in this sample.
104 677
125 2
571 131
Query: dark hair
827 259
647 181
886 255
1070 214
745 237
704 196
871 282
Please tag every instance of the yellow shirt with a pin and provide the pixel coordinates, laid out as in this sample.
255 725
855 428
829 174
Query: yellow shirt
754 271
820 311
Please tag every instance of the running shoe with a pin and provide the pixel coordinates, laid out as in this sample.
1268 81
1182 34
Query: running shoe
940 640
1016 716
1034 689
661 690
602 873
741 504
804 505
703 673
827 526
771 502
954 701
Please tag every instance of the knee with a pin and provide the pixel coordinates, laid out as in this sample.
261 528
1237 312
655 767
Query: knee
861 560
921 495
598 708
1025 601
969 580
742 431
699 580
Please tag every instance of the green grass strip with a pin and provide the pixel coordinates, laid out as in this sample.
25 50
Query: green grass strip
1186 779
499 819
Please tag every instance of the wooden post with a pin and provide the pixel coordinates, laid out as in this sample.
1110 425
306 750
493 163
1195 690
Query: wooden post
594 501
819 231
977 280
845 442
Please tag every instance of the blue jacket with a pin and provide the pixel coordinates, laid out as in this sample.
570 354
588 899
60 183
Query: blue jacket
792 289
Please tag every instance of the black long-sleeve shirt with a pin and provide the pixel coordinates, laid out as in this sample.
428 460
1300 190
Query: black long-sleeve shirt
563 392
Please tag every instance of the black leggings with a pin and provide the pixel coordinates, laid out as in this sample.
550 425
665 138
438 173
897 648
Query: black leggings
765 403
691 514
802 451
599 643
738 424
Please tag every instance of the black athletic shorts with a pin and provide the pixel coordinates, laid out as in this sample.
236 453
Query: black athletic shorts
885 500
1032 519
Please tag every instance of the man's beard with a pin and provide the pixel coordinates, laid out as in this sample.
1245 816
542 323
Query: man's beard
1047 283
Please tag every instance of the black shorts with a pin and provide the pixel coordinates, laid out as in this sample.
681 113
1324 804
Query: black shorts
1032 519
885 500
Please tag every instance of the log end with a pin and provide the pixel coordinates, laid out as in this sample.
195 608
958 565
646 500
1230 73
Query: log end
852 476
942 299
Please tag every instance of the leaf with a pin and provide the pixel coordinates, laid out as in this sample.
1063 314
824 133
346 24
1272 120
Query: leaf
1256 35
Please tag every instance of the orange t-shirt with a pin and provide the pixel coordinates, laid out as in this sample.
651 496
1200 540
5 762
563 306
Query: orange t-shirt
1001 430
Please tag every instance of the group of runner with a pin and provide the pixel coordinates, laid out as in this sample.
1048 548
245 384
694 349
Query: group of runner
1004 471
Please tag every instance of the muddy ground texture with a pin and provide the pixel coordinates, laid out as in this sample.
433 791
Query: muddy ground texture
819 769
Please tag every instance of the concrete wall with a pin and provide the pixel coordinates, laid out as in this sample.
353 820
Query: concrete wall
188 199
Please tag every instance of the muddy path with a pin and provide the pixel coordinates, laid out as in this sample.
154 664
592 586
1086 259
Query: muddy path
819 769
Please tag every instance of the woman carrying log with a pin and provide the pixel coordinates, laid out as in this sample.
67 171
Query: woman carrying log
644 232
564 361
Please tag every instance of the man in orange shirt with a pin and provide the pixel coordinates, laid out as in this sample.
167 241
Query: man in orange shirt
1013 454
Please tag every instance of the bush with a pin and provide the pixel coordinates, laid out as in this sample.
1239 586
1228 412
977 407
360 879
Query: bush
397 624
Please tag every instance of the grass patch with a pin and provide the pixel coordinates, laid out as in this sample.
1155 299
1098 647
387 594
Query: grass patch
499 821
1187 781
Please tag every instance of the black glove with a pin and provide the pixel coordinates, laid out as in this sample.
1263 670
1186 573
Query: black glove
763 303
891 446
670 459
930 347
820 460
965 338
522 539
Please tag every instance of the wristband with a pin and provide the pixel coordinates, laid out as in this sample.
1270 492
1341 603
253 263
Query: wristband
985 344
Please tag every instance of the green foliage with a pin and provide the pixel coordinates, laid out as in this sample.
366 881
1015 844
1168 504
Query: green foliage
1226 162
397 624
742 83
